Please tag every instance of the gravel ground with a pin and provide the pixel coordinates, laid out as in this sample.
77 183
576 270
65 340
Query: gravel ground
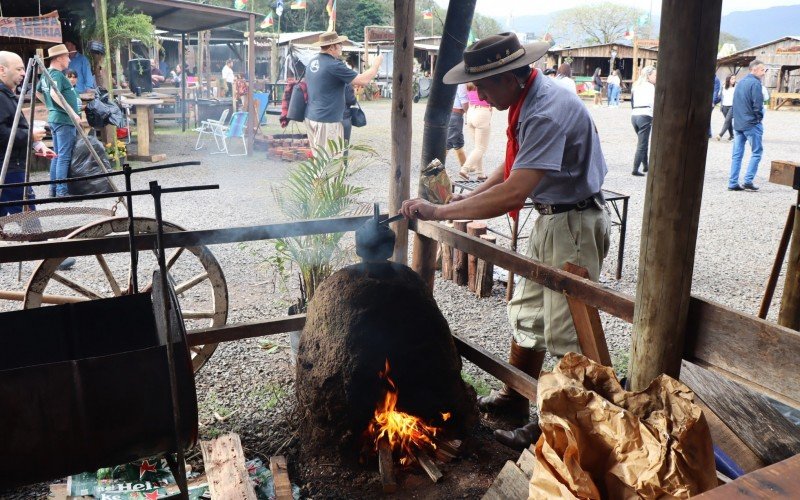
249 385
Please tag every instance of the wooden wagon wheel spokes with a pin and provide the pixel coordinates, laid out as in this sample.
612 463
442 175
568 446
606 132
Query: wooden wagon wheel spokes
197 276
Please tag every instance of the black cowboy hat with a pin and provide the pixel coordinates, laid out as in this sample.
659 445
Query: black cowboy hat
493 55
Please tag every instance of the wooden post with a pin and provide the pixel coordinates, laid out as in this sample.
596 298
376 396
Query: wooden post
447 258
475 228
789 315
777 265
484 274
402 90
252 118
437 112
674 188
460 266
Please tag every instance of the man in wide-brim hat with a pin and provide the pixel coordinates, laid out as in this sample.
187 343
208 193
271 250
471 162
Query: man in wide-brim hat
63 107
553 157
326 78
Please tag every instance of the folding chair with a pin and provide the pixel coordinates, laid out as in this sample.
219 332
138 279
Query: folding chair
262 98
234 130
210 127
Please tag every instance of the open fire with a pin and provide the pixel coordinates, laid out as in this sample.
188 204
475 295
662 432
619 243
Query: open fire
394 432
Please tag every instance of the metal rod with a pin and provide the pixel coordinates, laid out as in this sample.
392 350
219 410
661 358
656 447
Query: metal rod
17 114
134 278
100 196
180 478
98 176
392 219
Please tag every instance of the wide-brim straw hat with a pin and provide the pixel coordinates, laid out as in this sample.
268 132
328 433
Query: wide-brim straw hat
330 38
493 55
57 50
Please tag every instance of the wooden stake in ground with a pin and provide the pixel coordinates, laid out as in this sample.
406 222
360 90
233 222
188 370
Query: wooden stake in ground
460 269
447 258
224 463
475 228
674 189
484 272
386 466
280 476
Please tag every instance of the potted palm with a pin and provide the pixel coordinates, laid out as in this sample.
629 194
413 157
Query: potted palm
318 188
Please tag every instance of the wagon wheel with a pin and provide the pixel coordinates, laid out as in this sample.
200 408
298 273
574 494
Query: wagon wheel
193 271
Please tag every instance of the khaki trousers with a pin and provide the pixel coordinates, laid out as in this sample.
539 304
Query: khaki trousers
319 133
539 316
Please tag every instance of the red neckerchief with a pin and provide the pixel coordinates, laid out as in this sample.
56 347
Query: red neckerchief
512 146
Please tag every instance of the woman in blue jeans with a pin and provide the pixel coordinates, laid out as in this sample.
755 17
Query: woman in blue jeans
643 96
614 85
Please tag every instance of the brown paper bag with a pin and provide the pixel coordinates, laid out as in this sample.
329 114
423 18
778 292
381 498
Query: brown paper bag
600 441
434 184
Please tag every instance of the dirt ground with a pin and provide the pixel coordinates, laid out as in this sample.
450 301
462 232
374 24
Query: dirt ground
247 386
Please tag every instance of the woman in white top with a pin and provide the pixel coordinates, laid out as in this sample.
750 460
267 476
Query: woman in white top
727 106
614 82
564 78
643 96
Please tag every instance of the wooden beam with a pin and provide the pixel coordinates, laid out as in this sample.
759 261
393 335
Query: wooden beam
224 467
252 109
509 375
475 228
510 484
789 314
781 480
241 331
587 323
782 172
777 265
280 476
749 415
674 190
594 294
460 258
401 129
386 466
725 439
91 246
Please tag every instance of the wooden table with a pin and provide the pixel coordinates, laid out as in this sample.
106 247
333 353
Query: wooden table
778 99
144 127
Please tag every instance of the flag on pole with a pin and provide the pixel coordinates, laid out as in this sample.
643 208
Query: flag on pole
549 39
240 4
629 34
644 19
331 9
427 14
279 8
268 21
298 4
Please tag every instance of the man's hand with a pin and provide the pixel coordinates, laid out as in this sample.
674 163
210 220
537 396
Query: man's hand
38 134
378 60
418 209
458 197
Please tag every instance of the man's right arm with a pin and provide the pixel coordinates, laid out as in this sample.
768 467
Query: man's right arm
757 100
367 76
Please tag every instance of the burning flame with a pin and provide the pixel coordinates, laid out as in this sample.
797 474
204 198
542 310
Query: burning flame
401 430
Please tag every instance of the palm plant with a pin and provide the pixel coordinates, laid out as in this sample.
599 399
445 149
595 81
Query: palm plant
319 188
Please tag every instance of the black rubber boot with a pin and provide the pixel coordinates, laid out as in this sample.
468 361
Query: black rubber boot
507 401
521 438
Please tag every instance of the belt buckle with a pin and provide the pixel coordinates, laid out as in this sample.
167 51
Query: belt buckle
544 209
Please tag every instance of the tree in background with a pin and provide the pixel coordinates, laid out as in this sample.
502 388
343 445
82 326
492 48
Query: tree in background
353 15
739 42
600 23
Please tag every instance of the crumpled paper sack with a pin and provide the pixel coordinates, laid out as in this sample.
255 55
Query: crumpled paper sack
600 441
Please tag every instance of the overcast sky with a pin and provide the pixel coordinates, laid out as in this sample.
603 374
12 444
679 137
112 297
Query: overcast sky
502 8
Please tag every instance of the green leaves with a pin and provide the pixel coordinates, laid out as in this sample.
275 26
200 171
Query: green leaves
319 188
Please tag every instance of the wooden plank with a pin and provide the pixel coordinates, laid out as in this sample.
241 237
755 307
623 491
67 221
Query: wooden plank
724 438
587 323
789 313
460 270
509 375
484 280
90 246
594 294
475 228
527 461
424 259
745 346
427 465
510 484
386 467
280 476
148 157
447 259
240 331
782 172
781 480
224 467
749 415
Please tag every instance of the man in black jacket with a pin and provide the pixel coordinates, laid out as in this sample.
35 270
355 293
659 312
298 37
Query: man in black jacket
12 72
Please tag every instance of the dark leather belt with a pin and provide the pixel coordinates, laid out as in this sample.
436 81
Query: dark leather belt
544 209
458 111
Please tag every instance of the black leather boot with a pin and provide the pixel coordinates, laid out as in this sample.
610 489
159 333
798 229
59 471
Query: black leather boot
521 438
507 401
637 173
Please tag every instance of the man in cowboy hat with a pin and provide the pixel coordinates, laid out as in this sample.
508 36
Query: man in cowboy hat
326 78
62 114
553 156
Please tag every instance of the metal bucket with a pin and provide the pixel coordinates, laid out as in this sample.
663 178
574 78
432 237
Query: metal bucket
86 385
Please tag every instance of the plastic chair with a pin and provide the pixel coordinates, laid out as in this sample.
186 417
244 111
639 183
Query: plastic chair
263 102
210 127
234 130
